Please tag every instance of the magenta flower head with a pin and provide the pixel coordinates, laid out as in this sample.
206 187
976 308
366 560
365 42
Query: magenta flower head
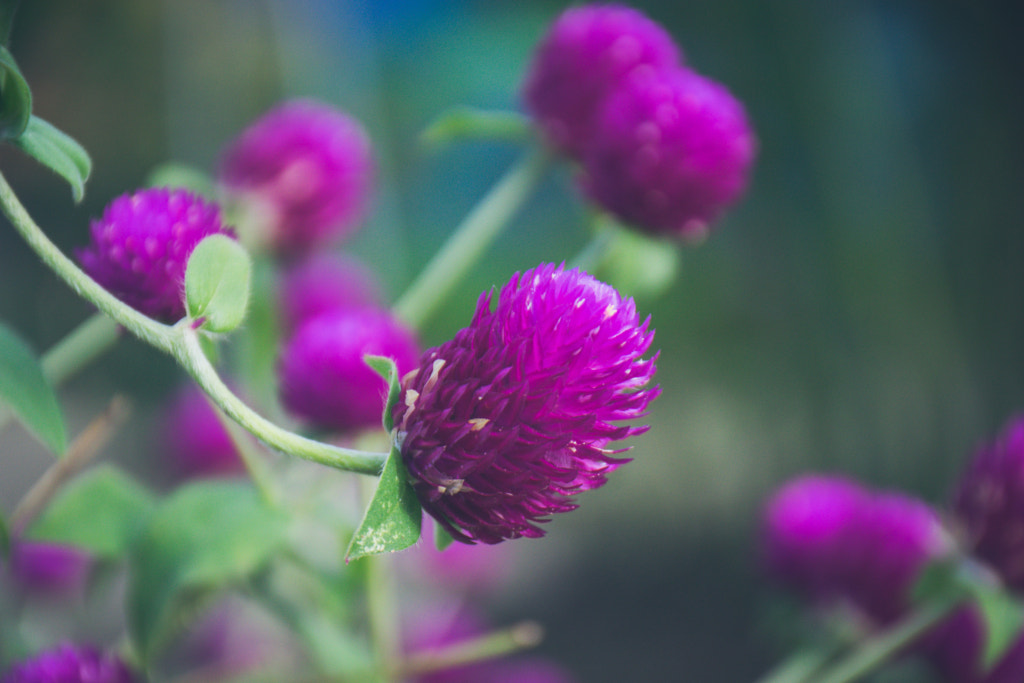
588 52
49 569
195 441
304 171
989 504
323 378
140 248
70 664
838 542
502 425
670 153
324 282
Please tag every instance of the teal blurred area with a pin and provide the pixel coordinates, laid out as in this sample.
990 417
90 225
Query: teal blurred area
860 311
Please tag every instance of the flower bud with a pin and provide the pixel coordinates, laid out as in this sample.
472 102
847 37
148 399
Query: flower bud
323 283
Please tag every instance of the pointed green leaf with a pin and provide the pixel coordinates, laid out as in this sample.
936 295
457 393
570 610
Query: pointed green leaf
100 511
204 537
15 97
1003 616
25 390
386 368
59 152
392 520
217 283
173 174
442 539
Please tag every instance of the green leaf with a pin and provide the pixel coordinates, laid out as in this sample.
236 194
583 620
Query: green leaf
173 174
1003 617
204 537
392 520
25 390
5 538
59 152
442 539
467 123
100 511
386 368
15 97
217 283
8 8
636 264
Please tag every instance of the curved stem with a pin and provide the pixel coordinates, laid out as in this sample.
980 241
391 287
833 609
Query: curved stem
476 232
186 349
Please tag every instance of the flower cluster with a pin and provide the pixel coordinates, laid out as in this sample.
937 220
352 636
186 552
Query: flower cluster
502 425
663 148
70 664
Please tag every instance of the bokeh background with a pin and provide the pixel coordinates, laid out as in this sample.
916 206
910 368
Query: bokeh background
860 311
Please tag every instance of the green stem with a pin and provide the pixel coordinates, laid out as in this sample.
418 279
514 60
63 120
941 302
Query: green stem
258 468
382 611
79 348
476 232
593 252
498 644
880 649
798 668
182 342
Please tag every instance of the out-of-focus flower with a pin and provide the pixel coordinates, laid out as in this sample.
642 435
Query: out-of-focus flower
303 174
195 441
141 245
670 153
70 664
837 542
323 378
955 648
459 567
502 425
989 504
48 569
323 283
587 53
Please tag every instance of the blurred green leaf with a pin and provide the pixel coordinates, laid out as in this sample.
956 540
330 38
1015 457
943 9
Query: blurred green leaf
386 368
943 579
218 280
173 174
635 264
467 123
442 539
392 520
100 511
59 152
8 8
25 390
5 538
15 97
1003 616
205 536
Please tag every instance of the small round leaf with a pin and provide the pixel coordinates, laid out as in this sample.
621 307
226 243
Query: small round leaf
217 283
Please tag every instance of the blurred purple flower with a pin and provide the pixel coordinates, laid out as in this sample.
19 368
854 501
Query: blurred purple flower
140 248
70 664
670 153
49 569
304 171
837 542
989 504
955 648
459 567
502 425
325 282
195 441
588 52
323 378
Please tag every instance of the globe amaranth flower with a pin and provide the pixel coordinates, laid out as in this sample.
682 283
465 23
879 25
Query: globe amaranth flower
324 282
141 244
323 378
989 504
587 53
48 569
838 542
502 425
303 174
70 664
194 439
670 153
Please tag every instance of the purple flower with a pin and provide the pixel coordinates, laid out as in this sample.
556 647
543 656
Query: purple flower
670 153
955 648
838 542
588 52
70 664
502 425
141 245
49 568
323 379
989 504
304 172
325 282
196 443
